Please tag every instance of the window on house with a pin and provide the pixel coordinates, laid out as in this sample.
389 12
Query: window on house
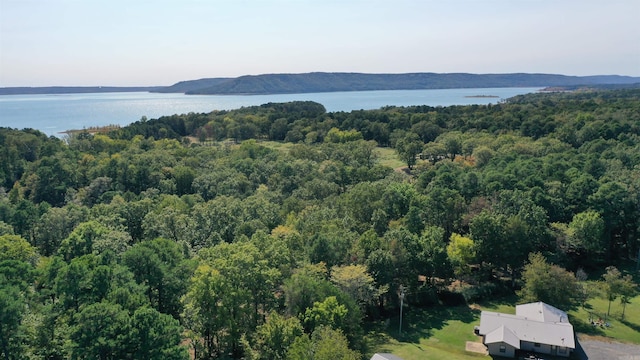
562 350
536 344
503 348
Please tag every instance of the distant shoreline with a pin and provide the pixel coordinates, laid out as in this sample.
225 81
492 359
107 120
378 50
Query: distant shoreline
482 96
61 90
315 82
91 130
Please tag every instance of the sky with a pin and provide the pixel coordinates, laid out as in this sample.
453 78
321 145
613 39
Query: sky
161 42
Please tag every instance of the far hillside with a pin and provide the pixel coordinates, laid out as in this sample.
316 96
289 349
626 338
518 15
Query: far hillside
329 82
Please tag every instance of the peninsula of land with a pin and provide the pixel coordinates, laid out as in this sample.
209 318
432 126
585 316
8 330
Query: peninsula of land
333 82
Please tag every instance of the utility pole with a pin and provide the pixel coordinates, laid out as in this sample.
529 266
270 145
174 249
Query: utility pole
401 306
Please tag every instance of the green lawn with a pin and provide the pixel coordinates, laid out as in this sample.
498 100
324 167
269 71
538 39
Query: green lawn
441 332
625 330
277 145
433 333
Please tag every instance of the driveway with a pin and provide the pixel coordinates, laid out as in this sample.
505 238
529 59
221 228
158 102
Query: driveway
592 349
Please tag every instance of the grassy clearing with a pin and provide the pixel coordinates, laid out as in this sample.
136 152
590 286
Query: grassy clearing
441 332
277 145
624 330
432 333
389 157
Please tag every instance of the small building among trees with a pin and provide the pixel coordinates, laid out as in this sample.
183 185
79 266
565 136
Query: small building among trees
536 327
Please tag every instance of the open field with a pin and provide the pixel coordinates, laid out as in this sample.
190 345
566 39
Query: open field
389 157
277 145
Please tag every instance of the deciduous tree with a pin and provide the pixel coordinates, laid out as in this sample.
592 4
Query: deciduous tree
408 148
275 336
12 309
324 344
461 252
586 235
549 283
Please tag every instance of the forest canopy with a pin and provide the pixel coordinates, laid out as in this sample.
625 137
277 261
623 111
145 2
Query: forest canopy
277 230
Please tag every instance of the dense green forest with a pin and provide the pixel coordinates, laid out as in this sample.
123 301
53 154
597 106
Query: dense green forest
276 231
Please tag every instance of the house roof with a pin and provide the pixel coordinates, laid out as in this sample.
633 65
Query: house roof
525 329
540 311
385 357
502 334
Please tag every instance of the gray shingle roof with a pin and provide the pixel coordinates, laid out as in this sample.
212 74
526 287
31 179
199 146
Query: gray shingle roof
541 312
542 325
502 334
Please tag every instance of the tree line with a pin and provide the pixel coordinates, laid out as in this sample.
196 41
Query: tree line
192 235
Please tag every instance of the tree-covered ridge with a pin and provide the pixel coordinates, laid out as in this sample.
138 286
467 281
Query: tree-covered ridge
197 232
328 82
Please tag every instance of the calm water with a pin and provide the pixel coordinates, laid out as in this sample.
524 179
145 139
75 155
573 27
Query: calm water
53 114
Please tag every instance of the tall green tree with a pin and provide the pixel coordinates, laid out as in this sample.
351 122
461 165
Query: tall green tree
432 257
14 247
488 233
156 336
586 235
235 302
618 210
171 223
203 314
612 285
444 207
162 268
453 146
275 336
461 252
628 289
328 312
408 148
55 225
355 281
12 310
184 177
101 331
93 237
549 283
324 344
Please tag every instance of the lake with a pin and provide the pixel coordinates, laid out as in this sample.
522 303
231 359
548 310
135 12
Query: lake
53 114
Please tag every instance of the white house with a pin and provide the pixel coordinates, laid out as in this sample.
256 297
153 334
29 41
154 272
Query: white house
537 327
380 356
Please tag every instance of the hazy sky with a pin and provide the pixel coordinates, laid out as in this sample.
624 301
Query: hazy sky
160 42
